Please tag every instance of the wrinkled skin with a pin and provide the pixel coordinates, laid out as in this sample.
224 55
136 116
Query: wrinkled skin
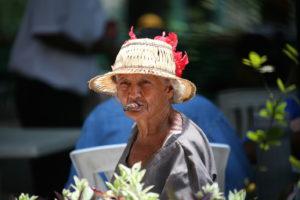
150 97
151 93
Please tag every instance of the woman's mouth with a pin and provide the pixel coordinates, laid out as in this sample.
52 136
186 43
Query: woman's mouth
135 107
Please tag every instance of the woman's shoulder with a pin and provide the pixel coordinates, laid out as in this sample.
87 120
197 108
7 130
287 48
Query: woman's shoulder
194 146
191 139
191 136
191 133
194 141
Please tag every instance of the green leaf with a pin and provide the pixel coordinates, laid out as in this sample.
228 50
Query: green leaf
291 52
269 107
128 184
237 195
255 59
132 195
252 136
274 143
246 62
27 197
280 85
147 189
279 116
124 171
263 59
291 88
281 107
111 187
264 146
256 136
291 49
294 162
264 113
291 56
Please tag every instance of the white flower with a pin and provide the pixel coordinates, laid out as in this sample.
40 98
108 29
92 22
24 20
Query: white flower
81 189
26 197
266 69
211 192
237 195
128 184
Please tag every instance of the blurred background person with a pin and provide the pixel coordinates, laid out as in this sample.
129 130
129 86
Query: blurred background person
54 55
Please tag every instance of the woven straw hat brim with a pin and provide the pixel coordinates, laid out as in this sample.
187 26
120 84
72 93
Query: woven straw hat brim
105 84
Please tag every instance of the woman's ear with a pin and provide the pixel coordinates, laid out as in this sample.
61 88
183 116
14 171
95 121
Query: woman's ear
170 92
169 89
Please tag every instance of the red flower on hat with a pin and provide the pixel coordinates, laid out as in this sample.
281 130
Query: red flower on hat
180 60
171 39
131 34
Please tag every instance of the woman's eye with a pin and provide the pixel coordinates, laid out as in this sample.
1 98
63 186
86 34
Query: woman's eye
123 84
145 82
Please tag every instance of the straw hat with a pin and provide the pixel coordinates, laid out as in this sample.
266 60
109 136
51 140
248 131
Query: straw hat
156 56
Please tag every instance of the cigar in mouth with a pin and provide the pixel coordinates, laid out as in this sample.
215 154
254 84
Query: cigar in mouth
130 106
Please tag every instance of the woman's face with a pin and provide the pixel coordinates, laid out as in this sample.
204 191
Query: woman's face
150 94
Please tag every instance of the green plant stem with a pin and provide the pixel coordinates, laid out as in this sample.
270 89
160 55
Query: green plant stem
273 113
266 86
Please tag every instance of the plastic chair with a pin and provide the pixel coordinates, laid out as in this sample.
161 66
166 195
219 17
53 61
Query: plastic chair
221 154
97 164
242 105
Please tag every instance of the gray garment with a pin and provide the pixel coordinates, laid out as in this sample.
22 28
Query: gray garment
182 166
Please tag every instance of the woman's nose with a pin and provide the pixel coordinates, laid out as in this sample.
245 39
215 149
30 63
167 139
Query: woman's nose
134 92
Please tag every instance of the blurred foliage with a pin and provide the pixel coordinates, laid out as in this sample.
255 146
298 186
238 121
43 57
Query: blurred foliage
211 192
210 41
26 197
211 63
237 195
80 191
295 163
291 52
274 109
255 60
11 13
128 184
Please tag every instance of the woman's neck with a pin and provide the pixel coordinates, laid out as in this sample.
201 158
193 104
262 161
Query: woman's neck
158 125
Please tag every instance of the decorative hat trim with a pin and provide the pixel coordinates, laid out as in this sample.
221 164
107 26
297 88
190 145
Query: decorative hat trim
180 60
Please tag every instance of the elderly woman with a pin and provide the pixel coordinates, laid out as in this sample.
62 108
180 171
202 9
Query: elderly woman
146 78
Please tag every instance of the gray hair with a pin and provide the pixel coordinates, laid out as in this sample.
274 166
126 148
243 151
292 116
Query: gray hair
177 87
